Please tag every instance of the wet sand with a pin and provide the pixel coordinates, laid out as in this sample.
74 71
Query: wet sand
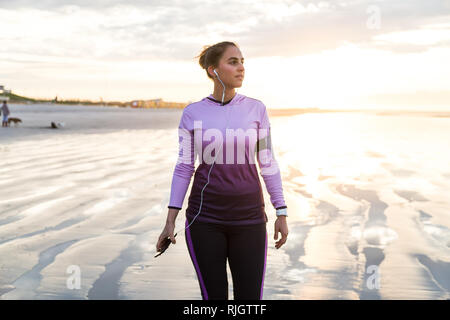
367 196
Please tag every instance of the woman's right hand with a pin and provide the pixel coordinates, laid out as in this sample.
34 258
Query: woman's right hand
166 233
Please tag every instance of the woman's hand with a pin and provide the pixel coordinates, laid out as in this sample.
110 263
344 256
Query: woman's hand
280 226
167 232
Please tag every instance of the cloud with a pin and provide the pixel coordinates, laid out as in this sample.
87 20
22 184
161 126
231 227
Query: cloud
344 22
57 4
74 35
138 29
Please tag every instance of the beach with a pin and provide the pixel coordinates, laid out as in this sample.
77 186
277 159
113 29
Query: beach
367 198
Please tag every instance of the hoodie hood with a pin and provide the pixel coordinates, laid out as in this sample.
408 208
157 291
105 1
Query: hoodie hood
237 99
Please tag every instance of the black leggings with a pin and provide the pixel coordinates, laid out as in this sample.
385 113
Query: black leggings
245 247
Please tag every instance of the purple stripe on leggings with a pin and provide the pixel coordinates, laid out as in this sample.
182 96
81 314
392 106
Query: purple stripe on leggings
194 259
264 272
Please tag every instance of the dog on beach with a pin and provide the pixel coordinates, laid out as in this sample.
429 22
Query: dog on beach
16 121
57 125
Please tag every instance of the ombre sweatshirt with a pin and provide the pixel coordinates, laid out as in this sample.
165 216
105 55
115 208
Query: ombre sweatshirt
238 132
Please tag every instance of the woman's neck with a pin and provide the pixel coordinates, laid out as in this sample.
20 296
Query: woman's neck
218 92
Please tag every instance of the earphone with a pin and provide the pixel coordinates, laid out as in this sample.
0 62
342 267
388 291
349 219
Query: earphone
212 165
223 94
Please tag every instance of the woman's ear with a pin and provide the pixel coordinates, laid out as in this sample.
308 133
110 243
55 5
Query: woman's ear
211 71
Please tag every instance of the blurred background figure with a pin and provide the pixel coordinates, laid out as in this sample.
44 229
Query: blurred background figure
5 112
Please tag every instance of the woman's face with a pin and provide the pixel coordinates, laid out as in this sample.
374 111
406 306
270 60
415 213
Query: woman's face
231 67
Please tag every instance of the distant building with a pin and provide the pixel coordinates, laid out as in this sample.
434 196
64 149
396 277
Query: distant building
156 103
4 91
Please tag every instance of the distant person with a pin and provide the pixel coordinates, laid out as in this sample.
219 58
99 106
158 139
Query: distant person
5 112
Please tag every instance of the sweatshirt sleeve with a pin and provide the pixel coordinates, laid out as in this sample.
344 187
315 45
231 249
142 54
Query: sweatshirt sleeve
268 164
184 167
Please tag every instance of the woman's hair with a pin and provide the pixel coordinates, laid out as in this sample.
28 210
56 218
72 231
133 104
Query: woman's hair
211 55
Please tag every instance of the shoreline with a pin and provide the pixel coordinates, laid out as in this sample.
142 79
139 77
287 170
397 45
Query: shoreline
275 112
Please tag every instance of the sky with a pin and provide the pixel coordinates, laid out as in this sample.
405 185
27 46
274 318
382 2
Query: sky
350 54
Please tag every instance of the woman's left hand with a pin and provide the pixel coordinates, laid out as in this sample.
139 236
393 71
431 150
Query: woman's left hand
280 226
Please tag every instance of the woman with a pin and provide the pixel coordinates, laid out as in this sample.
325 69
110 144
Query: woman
225 217
5 112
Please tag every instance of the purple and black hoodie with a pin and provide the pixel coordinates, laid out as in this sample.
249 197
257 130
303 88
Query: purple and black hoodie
233 195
